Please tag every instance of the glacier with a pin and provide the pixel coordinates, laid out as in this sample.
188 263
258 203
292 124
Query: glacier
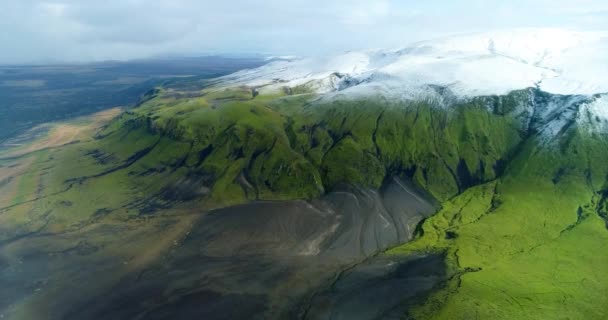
493 63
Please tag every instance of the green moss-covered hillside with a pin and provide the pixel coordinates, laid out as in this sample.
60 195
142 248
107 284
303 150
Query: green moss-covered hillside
241 146
523 218
529 245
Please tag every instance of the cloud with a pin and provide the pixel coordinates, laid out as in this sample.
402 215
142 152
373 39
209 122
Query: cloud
366 13
83 30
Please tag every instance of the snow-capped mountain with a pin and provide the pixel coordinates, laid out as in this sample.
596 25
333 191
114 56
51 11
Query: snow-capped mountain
556 61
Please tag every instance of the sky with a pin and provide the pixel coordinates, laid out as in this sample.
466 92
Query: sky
45 31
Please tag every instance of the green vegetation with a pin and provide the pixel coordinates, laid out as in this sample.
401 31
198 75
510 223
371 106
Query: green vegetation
528 245
522 224
248 146
213 148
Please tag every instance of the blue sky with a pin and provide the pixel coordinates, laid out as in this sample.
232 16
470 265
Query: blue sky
84 30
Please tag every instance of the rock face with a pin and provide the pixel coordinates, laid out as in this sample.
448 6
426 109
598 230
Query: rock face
370 221
269 259
343 225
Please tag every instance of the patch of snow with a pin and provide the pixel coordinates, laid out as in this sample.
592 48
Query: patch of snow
599 107
552 127
593 115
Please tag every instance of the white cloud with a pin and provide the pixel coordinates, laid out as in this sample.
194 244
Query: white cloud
367 12
53 9
82 30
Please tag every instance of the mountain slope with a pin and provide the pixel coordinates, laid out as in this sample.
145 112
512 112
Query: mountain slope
528 245
277 189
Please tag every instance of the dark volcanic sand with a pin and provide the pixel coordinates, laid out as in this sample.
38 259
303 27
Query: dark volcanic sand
289 259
